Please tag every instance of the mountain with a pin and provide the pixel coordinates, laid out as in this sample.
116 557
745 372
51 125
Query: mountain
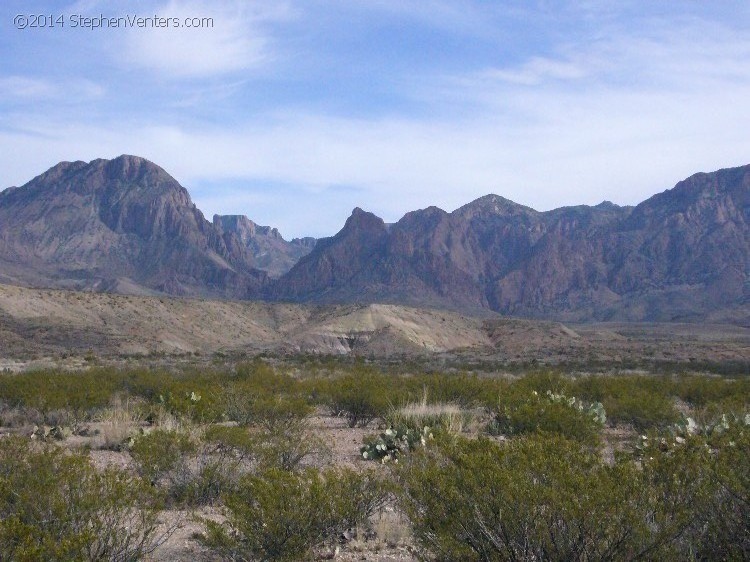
126 226
121 225
270 252
681 255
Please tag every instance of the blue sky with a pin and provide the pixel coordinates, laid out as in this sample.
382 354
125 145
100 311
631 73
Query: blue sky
295 112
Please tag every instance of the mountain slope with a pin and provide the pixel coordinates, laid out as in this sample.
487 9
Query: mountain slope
121 225
681 255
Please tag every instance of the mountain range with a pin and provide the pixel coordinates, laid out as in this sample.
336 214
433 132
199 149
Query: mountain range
126 226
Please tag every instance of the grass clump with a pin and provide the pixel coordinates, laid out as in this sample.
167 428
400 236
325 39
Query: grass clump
424 413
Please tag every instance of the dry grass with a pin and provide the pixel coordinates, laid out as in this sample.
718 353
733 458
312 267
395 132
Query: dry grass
449 417
118 422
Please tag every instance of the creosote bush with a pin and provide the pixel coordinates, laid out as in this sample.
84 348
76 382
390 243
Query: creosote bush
645 402
360 398
55 506
544 497
282 515
534 412
190 470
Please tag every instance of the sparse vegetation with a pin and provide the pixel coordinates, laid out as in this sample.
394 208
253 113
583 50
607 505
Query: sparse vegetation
574 477
56 506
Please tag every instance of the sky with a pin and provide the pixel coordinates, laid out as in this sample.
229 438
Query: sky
295 112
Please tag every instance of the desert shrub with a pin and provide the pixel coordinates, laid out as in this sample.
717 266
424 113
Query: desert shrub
55 506
716 452
360 398
74 396
703 488
280 412
281 515
544 497
190 471
235 439
715 394
158 452
466 391
726 535
254 406
543 381
287 447
519 414
645 402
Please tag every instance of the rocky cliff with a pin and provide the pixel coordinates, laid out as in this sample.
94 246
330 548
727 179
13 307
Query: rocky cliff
121 225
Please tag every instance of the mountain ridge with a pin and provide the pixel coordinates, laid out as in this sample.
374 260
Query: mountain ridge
125 225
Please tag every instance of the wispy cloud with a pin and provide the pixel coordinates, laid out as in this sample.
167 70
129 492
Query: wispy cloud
30 89
230 39
26 88
538 70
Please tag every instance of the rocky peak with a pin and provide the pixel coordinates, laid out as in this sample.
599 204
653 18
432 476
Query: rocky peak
492 204
363 221
269 250
305 242
242 226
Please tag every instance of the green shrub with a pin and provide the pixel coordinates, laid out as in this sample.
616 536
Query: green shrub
281 515
237 440
645 402
547 413
279 413
158 452
543 497
727 532
287 447
191 472
56 506
74 395
360 398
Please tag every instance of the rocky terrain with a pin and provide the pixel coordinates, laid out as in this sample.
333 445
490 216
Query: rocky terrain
126 226
39 323
270 252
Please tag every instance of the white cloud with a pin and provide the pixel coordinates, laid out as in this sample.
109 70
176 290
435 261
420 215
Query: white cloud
26 88
233 40
29 89
538 70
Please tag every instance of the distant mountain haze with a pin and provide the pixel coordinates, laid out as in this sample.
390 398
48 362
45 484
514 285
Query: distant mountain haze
125 225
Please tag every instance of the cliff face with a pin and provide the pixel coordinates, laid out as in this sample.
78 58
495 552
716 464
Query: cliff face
269 251
113 224
680 255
